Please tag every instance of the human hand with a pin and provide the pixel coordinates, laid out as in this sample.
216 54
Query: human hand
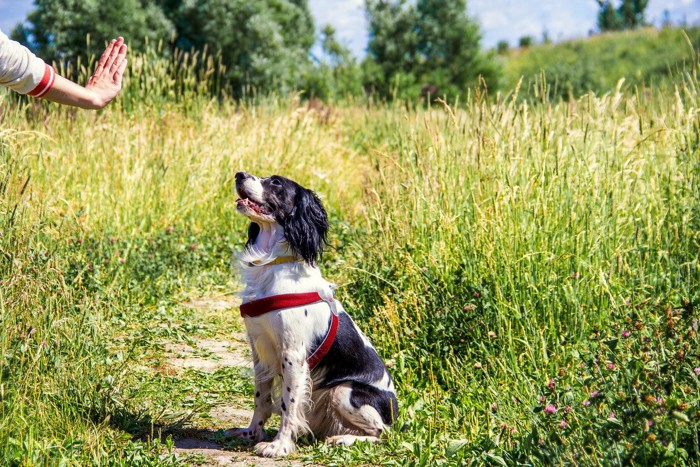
106 82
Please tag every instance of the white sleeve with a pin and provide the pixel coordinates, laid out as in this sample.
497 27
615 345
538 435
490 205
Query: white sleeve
22 71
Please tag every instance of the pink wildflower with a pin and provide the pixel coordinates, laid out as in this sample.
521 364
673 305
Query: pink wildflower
626 333
575 275
697 370
611 366
551 384
567 409
563 424
586 402
551 408
594 394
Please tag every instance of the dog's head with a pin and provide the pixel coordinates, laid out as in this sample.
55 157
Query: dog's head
278 200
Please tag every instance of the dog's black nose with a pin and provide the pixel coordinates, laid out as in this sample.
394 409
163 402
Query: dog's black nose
240 176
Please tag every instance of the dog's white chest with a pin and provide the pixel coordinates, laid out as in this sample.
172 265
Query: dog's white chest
272 333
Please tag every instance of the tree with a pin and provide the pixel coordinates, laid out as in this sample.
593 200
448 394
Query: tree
525 41
58 29
346 78
263 43
449 47
430 45
392 47
628 15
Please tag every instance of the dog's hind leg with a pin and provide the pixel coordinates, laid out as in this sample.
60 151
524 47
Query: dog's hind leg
293 404
362 413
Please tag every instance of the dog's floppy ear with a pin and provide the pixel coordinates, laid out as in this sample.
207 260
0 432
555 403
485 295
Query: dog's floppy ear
253 231
306 227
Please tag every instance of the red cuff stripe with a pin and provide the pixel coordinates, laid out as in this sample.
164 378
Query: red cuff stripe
45 84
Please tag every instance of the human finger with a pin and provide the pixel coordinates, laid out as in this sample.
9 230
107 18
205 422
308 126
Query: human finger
104 58
117 78
119 58
113 53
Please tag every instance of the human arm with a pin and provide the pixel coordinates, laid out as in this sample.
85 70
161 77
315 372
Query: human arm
25 73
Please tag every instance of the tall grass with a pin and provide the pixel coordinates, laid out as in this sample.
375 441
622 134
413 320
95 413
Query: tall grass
529 269
508 237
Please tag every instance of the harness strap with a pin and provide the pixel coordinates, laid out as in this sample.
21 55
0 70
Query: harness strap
280 302
323 349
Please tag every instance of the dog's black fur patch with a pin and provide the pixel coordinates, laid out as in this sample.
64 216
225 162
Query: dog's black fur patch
351 361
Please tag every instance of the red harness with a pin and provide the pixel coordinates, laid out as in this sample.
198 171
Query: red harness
293 300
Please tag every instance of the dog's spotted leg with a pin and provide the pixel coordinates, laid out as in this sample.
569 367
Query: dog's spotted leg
263 408
293 404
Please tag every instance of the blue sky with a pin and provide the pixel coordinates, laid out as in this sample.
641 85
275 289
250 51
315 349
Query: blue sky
499 19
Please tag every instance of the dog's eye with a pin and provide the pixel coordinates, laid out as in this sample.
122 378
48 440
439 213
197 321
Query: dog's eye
275 182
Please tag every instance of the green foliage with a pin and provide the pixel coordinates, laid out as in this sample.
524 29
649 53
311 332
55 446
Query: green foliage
637 380
525 41
629 15
428 48
647 57
57 30
340 77
264 44
502 47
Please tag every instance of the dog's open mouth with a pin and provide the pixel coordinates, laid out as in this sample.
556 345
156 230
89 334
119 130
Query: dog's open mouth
248 206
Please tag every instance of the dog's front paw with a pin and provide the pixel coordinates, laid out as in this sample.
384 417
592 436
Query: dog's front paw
249 434
277 448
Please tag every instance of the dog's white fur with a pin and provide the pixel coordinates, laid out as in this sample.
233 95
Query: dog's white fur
281 342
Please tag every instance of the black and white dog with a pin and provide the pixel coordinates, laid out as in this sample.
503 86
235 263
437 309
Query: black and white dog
313 365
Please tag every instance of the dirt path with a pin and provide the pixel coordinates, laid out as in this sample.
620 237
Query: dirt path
204 446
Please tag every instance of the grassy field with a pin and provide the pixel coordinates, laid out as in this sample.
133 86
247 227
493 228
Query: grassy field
529 270
643 57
